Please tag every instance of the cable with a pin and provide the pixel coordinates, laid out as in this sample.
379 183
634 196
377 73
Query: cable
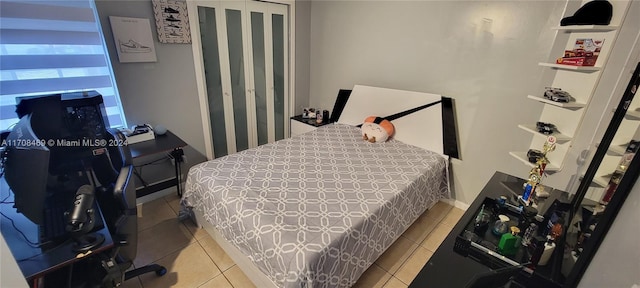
32 244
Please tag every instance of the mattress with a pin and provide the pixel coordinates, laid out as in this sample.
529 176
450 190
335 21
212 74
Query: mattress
316 210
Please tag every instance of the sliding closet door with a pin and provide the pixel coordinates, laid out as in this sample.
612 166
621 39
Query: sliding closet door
269 78
244 52
208 23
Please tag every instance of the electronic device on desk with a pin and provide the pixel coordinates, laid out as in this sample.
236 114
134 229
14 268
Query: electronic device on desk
47 164
139 133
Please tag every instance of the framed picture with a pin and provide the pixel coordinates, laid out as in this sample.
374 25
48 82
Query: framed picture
172 21
133 39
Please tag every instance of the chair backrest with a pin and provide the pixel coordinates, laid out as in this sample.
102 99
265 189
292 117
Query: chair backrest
117 197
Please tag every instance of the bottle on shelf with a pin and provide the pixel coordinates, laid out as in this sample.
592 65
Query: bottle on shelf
509 242
481 223
549 247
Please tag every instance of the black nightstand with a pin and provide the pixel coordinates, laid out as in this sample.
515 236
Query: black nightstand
301 125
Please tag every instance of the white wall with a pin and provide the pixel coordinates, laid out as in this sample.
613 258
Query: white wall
165 92
162 92
482 54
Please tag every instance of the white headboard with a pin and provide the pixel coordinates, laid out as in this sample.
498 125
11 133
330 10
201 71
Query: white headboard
423 128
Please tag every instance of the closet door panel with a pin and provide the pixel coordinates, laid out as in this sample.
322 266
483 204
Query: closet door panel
259 76
233 20
279 74
211 61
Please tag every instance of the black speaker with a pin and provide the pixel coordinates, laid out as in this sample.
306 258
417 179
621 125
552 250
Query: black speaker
341 101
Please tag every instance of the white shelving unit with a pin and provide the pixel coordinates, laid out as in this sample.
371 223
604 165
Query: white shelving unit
569 105
571 67
579 81
522 156
586 28
532 129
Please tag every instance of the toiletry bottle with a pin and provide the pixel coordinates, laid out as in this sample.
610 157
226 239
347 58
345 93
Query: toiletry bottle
481 223
547 252
501 226
528 234
509 242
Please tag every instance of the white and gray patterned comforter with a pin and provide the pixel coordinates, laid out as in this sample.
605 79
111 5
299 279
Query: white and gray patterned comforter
318 209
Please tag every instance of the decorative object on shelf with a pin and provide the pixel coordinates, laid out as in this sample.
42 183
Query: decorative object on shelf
585 53
598 12
537 172
533 155
546 128
557 95
628 155
133 39
172 21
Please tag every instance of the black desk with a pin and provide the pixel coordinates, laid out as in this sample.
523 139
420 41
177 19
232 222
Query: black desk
447 268
170 143
35 262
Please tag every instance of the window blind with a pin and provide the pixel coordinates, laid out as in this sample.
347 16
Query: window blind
53 47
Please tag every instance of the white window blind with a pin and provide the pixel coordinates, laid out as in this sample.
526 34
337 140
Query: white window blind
53 47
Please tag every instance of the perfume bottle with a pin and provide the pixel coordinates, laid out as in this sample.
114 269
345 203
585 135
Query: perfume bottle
481 223
528 234
501 226
509 242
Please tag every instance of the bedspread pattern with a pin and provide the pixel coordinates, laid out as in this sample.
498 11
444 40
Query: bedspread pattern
318 209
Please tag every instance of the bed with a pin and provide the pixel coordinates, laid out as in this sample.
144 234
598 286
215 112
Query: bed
316 210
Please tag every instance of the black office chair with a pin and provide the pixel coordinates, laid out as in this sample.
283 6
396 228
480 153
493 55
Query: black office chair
117 199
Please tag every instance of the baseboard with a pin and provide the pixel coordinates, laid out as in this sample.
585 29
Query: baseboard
456 203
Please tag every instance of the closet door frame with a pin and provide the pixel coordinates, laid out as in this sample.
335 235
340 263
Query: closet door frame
220 8
267 11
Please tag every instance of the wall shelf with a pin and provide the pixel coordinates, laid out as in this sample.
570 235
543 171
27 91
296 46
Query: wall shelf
569 105
532 129
586 28
617 150
633 115
522 156
570 67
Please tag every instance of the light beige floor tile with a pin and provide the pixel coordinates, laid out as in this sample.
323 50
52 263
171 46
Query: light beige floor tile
174 202
439 211
218 282
374 277
394 283
196 231
154 212
222 260
237 278
188 267
392 259
453 216
161 240
413 265
436 237
421 228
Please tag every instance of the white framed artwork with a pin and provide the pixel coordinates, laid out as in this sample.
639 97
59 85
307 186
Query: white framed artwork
172 21
133 39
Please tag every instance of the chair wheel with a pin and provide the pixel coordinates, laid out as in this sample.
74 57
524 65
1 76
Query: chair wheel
161 272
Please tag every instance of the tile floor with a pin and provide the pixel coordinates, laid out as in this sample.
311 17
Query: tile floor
194 259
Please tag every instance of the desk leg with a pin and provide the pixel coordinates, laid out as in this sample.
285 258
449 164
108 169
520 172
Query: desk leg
177 156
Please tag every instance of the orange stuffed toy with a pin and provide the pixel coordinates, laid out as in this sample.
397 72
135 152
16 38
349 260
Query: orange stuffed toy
376 129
